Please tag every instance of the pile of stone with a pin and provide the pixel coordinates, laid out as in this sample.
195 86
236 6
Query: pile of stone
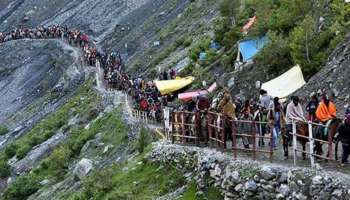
244 179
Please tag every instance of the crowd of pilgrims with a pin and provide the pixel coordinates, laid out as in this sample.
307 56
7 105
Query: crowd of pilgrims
147 98
144 94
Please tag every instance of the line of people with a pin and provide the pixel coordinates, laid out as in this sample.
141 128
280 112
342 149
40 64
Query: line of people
277 115
147 98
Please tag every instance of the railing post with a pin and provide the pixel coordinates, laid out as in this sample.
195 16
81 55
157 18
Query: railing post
254 139
311 142
146 117
183 131
272 143
198 127
330 145
218 129
172 119
223 133
210 128
234 139
294 125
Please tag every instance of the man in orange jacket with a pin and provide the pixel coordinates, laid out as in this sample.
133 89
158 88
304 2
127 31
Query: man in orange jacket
326 110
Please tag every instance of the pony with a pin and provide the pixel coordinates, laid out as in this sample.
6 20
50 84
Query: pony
303 130
332 130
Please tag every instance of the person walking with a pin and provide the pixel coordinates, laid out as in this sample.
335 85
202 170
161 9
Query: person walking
276 120
344 136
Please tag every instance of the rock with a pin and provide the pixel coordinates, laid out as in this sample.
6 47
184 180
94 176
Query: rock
83 168
10 180
231 82
284 190
239 187
107 148
216 172
44 182
283 178
338 193
73 121
268 188
317 180
267 173
25 18
251 186
300 196
280 196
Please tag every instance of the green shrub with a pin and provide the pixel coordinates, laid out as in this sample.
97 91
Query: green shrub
57 163
3 130
201 46
143 140
22 151
227 62
188 42
10 150
22 188
4 169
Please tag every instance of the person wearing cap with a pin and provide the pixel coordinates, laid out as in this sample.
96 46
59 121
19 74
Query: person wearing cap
312 107
344 136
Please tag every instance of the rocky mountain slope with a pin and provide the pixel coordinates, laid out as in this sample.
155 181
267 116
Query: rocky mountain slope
334 77
71 138
36 77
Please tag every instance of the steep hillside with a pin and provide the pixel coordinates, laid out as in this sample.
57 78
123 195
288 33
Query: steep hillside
173 24
334 78
35 78
64 135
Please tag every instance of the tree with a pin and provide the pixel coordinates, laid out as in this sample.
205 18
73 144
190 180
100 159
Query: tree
302 38
230 9
275 56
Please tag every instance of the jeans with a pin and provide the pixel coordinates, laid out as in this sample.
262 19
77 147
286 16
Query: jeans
275 135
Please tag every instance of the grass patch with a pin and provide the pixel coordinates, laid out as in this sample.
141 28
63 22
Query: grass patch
140 181
3 130
56 165
190 193
143 140
82 103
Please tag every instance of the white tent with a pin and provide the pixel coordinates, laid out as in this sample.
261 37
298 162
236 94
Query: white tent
285 84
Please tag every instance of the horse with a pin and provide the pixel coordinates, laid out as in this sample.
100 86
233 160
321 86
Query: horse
332 130
303 130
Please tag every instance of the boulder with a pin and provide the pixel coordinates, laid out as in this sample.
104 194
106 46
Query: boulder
267 173
83 168
251 186
317 180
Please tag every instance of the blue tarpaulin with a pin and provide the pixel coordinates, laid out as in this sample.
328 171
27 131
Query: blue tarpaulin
249 48
202 56
214 45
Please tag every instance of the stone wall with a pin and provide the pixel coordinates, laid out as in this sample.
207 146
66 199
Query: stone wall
245 179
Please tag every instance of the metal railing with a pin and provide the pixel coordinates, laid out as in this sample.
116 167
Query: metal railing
309 138
189 126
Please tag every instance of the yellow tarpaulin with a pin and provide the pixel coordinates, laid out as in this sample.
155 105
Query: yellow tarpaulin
285 84
170 86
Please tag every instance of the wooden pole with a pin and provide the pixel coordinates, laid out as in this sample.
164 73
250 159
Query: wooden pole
311 143
294 141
